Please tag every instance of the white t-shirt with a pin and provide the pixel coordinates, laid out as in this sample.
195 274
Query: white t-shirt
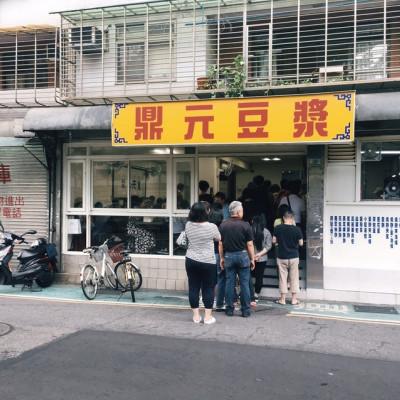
296 204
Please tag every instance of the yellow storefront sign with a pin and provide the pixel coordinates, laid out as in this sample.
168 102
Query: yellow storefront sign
318 118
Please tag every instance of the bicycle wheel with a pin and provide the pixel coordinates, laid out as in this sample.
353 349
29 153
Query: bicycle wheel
136 277
120 272
122 276
111 277
129 272
89 282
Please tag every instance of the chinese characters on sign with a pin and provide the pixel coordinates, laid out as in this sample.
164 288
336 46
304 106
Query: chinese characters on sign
5 175
346 229
320 118
310 117
10 205
148 123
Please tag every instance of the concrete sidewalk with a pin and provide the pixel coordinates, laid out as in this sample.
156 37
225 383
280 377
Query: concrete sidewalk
172 299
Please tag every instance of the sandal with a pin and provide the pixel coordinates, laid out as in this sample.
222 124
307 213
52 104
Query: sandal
279 302
297 303
196 321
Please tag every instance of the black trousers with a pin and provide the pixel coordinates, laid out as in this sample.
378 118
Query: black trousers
258 274
201 276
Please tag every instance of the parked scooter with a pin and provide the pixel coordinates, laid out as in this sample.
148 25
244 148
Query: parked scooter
38 263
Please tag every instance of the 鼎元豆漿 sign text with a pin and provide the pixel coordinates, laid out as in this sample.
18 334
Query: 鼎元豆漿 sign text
319 118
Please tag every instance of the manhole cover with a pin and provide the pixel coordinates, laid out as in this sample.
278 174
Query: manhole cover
375 309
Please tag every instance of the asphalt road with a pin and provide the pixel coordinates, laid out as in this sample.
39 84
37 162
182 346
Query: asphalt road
57 350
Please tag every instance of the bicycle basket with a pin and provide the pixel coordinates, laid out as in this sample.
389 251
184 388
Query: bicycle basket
114 252
97 255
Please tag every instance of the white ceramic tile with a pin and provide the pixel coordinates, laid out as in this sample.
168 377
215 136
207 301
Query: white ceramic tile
341 279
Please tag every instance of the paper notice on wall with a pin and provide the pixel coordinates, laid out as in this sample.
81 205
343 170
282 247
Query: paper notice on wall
74 227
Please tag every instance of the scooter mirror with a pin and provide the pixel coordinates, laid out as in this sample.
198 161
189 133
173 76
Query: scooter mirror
1 226
31 232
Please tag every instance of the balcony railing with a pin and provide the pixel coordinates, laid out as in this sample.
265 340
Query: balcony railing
181 49
28 66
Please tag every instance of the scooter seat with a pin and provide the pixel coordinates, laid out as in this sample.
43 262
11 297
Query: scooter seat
30 253
27 273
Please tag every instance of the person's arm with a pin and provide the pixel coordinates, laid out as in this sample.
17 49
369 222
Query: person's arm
301 242
268 240
250 249
221 254
261 253
274 241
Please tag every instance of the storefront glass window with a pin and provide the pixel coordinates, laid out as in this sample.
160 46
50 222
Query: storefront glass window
77 151
76 185
133 198
110 184
380 170
183 170
148 184
142 235
76 231
178 226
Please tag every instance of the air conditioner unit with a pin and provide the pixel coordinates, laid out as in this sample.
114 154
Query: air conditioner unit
87 39
331 72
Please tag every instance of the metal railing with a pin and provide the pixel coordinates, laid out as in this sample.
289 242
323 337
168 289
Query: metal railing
180 48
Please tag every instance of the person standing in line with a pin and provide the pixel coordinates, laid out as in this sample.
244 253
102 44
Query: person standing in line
236 251
203 195
216 216
200 261
221 199
262 244
288 237
295 203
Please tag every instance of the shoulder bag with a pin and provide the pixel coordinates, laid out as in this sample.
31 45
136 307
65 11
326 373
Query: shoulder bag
182 240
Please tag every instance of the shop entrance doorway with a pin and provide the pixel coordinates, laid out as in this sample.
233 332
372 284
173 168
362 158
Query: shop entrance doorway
232 174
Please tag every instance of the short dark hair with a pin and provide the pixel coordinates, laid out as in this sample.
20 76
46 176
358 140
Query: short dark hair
198 212
288 214
283 208
203 186
216 215
274 188
220 195
258 180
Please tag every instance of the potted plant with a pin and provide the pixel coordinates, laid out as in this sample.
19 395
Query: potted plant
234 77
211 80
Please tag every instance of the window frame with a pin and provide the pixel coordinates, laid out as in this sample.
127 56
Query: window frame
359 172
88 211
145 39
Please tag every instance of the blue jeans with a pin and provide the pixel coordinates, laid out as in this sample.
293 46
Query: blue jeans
237 262
221 283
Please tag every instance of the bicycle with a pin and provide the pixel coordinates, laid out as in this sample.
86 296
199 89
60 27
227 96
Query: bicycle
128 274
90 277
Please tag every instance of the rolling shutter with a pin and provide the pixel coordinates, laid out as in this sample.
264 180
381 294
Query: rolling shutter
24 190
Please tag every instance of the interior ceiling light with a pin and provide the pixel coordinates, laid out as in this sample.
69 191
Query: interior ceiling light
161 151
266 159
276 159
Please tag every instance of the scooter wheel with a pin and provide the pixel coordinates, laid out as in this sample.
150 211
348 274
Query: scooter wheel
45 279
